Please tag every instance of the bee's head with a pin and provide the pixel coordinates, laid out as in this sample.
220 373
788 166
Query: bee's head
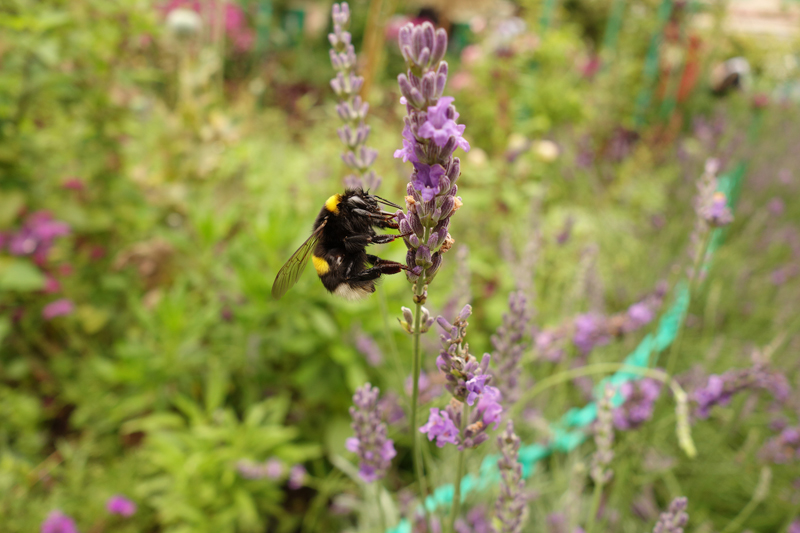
358 199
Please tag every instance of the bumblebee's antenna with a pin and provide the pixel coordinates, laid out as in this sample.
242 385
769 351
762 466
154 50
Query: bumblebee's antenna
387 202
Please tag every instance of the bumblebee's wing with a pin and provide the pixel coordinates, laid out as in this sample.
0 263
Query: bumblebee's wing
290 272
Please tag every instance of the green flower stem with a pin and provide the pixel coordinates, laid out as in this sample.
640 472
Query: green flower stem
698 265
459 471
761 492
592 518
416 364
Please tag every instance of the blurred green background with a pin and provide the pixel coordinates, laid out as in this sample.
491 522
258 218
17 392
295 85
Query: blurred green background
155 175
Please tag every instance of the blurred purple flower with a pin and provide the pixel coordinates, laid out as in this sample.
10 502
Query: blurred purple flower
781 275
639 314
776 206
36 236
721 388
58 522
589 332
58 308
428 388
510 344
794 527
674 519
367 346
716 212
621 144
297 477
375 450
640 396
272 468
785 448
74 184
120 505
476 521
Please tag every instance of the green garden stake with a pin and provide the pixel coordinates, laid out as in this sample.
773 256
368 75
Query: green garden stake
263 23
293 23
611 33
651 64
547 14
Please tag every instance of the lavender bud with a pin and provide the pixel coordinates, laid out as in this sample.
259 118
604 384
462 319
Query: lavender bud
423 257
439 46
511 507
436 262
428 86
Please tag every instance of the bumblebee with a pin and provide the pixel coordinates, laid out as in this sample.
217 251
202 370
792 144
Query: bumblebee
338 247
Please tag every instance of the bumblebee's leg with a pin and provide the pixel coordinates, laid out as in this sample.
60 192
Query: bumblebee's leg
355 243
381 267
384 224
377 261
385 239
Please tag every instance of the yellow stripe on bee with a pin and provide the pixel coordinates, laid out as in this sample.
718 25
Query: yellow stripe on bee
320 265
332 203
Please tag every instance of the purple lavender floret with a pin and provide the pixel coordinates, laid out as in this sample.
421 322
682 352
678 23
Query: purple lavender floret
510 345
716 212
375 450
674 519
784 448
589 332
441 126
443 425
720 389
58 522
352 110
430 137
466 377
511 506
476 521
440 426
640 396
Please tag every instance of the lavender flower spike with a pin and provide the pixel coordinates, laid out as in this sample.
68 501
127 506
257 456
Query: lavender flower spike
604 440
374 449
466 377
430 137
351 109
511 509
509 346
674 519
